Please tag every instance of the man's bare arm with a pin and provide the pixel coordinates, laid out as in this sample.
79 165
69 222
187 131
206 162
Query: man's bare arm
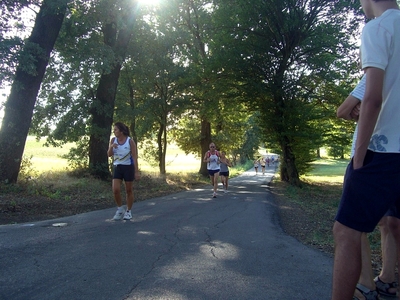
370 109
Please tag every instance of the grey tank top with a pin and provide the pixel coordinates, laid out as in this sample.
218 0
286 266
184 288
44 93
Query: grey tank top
223 167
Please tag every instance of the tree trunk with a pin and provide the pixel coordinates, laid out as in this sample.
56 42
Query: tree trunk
28 78
162 147
132 125
205 141
103 107
288 170
102 118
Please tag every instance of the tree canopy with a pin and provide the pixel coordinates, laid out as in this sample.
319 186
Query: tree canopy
189 71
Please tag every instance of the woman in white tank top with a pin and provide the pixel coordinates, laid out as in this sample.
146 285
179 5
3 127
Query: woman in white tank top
125 160
212 159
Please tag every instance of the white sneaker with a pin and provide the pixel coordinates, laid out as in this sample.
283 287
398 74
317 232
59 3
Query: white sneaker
119 214
215 195
128 215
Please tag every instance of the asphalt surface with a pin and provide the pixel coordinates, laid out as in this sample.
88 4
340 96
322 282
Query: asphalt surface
183 246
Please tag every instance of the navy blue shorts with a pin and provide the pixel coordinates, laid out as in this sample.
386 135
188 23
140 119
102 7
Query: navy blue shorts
124 172
370 191
212 172
226 174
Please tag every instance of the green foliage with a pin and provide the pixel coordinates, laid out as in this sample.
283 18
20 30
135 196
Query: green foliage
286 55
77 156
238 134
338 151
258 73
187 134
241 167
338 137
149 153
12 23
27 172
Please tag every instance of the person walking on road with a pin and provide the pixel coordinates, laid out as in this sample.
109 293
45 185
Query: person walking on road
125 160
262 162
224 170
256 165
212 158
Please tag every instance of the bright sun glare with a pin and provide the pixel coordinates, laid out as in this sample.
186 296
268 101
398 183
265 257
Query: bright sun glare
149 2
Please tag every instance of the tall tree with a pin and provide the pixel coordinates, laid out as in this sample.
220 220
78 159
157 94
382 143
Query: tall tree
191 19
25 87
80 91
284 52
117 33
155 78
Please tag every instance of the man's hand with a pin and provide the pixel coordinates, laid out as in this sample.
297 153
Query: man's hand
355 112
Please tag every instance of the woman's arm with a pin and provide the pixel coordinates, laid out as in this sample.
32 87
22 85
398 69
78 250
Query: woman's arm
110 151
228 162
135 158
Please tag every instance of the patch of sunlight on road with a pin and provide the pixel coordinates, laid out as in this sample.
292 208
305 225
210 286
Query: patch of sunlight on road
146 233
220 250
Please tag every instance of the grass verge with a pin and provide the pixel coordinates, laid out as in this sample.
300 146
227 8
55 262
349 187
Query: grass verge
56 194
308 213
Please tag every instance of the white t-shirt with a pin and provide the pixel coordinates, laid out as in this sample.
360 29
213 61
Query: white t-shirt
358 93
380 48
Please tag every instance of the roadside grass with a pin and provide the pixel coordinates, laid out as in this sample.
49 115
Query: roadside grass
315 204
45 159
48 189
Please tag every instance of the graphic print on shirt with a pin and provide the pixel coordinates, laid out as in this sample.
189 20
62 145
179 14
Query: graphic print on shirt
122 154
377 141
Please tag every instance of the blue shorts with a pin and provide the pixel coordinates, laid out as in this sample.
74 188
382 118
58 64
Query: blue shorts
370 191
212 172
124 172
226 174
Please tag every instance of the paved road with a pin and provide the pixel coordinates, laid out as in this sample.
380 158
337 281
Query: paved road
184 246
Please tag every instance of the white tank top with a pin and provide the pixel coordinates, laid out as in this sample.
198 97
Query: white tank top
123 154
213 164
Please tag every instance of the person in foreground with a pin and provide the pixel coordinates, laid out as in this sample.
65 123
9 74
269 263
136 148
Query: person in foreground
212 158
385 284
371 181
125 159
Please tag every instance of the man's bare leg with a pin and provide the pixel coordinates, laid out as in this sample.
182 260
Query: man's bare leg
347 261
391 250
366 276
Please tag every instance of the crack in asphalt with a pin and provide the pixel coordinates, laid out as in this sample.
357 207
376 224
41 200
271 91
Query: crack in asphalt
209 238
177 239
